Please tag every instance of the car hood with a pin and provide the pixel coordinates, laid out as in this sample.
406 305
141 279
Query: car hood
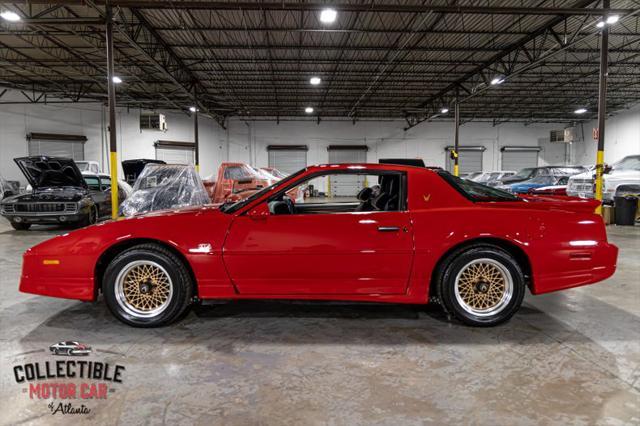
50 172
133 168
64 194
621 175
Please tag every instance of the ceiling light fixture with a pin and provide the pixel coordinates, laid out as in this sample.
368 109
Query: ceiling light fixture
328 16
497 80
116 79
308 110
600 24
10 16
315 80
193 109
580 111
612 19
444 110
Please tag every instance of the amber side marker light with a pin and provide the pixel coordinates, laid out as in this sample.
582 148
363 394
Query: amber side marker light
50 262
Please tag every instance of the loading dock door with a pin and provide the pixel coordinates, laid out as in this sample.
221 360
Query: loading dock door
469 160
287 159
516 158
347 185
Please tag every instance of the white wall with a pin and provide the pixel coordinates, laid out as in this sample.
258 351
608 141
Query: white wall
87 119
621 138
247 141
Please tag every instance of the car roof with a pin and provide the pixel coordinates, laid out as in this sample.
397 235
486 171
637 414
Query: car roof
367 166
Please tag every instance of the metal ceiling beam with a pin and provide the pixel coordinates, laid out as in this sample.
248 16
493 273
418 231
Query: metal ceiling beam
371 7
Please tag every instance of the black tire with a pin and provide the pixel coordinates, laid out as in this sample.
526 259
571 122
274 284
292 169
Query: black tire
181 284
20 226
504 309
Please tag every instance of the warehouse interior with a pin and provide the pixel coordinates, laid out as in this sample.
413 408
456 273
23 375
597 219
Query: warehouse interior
468 86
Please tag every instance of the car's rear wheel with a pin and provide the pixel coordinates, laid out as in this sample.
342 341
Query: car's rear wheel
482 286
20 226
147 286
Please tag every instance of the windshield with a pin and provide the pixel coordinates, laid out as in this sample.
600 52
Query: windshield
628 163
524 173
82 165
475 191
566 171
232 207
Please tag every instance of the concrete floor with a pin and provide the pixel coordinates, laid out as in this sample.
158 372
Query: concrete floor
566 358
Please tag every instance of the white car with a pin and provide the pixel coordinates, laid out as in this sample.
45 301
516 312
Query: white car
625 172
88 166
493 178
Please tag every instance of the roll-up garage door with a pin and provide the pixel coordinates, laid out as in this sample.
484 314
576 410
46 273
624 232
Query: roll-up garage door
176 152
56 145
347 185
469 159
517 158
287 159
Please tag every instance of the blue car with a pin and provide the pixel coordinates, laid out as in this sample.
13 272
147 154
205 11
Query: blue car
538 182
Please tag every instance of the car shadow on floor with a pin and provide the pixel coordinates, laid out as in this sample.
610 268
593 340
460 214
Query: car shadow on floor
273 322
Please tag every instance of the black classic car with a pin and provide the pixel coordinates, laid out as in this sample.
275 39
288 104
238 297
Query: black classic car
60 195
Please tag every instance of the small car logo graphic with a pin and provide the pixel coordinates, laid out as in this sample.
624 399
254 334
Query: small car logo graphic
70 348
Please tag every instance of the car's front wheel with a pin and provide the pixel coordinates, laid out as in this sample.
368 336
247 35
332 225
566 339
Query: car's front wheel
482 286
147 286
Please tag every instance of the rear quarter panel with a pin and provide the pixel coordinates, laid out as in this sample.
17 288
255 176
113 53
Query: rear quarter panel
564 248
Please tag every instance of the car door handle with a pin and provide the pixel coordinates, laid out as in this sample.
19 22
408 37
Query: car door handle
388 228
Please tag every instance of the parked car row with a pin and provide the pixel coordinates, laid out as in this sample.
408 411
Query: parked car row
576 181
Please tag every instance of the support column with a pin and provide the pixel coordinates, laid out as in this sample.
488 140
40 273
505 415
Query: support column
602 106
456 139
113 148
195 129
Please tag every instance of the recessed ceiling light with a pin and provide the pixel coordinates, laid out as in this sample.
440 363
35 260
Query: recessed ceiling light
580 111
497 80
308 110
116 79
612 19
10 16
192 109
328 16
444 110
600 24
315 80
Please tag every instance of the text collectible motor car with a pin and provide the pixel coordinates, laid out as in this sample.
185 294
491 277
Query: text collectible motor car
422 234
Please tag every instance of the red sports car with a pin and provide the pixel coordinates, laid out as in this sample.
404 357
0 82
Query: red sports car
413 235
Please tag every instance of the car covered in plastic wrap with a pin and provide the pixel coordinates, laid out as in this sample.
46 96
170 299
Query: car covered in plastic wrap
165 187
237 181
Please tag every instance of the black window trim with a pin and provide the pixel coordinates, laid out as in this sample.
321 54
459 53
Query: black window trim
403 207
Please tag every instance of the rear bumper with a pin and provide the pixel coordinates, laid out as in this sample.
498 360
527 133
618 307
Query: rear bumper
585 267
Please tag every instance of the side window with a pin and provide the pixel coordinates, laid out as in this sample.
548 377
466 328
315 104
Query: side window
92 182
342 192
105 182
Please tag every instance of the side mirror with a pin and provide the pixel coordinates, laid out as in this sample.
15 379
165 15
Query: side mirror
607 169
261 211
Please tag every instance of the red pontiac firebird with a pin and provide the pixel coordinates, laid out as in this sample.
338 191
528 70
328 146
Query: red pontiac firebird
407 235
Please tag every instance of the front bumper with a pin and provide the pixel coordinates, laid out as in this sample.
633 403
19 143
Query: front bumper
45 219
67 277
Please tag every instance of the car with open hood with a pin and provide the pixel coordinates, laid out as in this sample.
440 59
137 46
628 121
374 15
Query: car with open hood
59 195
394 234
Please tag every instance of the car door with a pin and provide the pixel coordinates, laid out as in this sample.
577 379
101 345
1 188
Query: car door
320 252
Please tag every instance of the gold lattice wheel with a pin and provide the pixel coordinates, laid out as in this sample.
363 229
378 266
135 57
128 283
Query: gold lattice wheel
143 288
484 287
